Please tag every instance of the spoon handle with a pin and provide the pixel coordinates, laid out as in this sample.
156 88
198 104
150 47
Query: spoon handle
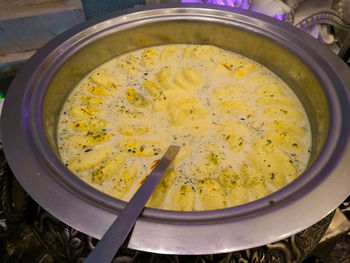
115 236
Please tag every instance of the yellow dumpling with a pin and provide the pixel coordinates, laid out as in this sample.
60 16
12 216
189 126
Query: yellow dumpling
234 133
133 129
103 78
227 66
235 127
189 79
140 147
255 183
164 78
244 70
152 88
82 111
136 99
168 52
283 113
89 159
235 142
89 139
90 124
181 198
149 58
160 104
187 53
182 82
171 99
285 140
257 188
266 166
211 194
101 91
91 100
109 168
229 92
122 182
209 163
268 89
181 106
236 108
187 112
284 163
272 163
286 126
275 101
234 185
193 76
129 65
127 113
199 52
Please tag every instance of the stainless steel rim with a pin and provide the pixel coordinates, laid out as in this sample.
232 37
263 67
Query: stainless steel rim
296 207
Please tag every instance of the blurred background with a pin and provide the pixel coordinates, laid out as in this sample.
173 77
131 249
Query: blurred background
26 25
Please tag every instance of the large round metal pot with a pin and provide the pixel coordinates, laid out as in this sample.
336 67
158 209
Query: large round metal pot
318 77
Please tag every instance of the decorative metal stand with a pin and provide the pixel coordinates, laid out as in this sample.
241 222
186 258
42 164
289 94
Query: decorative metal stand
29 234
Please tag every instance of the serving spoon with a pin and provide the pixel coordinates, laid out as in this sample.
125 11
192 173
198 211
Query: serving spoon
116 234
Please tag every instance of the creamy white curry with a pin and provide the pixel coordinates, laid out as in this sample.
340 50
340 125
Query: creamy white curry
243 133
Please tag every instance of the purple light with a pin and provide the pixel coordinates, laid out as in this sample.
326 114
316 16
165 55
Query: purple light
279 16
243 4
191 1
234 3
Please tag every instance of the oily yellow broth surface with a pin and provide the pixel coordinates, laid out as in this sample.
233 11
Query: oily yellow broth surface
243 133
